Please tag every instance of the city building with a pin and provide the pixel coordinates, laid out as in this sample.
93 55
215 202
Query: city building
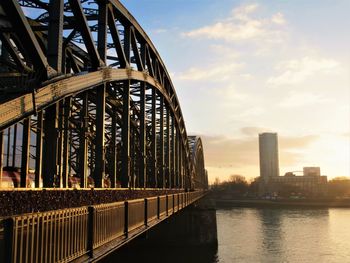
268 155
312 171
306 185
311 183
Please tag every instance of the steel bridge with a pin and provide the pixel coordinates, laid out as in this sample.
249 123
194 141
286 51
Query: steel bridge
86 99
87 102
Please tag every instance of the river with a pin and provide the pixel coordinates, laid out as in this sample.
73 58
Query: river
255 235
283 235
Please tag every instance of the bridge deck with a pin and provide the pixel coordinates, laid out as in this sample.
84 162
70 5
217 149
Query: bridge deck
86 233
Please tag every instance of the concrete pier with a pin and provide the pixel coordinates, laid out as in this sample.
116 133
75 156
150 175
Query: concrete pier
188 236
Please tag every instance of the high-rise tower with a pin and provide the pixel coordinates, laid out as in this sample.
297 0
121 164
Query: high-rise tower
268 153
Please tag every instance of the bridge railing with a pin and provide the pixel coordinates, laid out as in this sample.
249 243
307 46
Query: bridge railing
109 221
65 235
46 237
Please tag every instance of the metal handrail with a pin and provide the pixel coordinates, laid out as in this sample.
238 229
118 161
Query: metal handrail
65 235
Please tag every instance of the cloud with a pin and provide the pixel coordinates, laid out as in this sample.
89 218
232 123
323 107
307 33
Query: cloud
159 31
292 143
222 151
303 99
298 70
253 131
242 12
278 19
213 73
241 26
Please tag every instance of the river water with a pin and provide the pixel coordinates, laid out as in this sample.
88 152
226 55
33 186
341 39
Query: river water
283 235
257 235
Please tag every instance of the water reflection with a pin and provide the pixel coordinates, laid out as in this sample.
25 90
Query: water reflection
271 233
259 235
144 253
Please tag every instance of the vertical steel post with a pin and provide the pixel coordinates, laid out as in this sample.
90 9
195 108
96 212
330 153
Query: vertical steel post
102 30
54 56
154 176
100 136
146 212
8 146
14 145
90 231
177 159
113 172
38 149
25 152
50 146
127 36
99 170
60 143
83 148
161 183
8 239
125 176
143 156
126 218
167 155
173 152
55 34
66 134
180 165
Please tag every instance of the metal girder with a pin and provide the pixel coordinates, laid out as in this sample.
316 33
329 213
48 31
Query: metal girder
143 157
102 30
144 132
167 153
33 3
100 136
116 39
149 62
84 29
125 154
8 146
14 110
173 152
127 42
83 146
161 179
21 26
55 35
113 172
25 152
136 50
154 174
14 145
49 165
5 40
38 149
65 150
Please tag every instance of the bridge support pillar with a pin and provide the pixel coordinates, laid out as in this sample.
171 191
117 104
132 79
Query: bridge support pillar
194 226
50 146
188 236
125 176
100 136
161 178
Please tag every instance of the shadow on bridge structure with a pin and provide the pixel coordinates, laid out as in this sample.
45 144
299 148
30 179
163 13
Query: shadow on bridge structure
86 102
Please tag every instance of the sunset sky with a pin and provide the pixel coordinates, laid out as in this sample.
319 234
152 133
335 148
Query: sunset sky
245 67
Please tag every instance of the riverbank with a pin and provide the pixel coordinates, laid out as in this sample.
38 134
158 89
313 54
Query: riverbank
280 203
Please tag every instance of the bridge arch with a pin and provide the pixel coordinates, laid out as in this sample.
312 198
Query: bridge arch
85 95
199 174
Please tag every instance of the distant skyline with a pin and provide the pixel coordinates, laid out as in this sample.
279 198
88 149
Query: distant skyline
245 67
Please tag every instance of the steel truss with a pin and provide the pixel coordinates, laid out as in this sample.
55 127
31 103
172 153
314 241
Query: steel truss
84 95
